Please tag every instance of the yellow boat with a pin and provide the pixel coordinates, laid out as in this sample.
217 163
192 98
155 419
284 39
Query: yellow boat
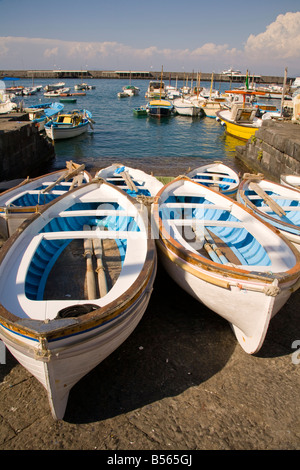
241 130
240 121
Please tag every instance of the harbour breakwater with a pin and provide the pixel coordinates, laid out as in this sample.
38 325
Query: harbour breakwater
140 75
273 150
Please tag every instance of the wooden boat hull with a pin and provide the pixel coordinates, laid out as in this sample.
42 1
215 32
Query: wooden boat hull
57 133
218 177
26 199
58 351
284 200
244 292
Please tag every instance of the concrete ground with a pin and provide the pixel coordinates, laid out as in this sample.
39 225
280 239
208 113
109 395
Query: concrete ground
180 382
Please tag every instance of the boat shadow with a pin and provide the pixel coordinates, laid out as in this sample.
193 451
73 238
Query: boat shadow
178 344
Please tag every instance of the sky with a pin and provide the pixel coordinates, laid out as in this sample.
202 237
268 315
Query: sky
261 36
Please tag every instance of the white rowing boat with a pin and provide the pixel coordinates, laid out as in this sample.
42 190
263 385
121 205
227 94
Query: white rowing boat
27 198
56 317
217 176
135 182
292 181
274 203
225 257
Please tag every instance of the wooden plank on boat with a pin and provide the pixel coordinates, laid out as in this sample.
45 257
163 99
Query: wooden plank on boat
267 199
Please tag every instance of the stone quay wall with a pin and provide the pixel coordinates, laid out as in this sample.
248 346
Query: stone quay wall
274 150
23 151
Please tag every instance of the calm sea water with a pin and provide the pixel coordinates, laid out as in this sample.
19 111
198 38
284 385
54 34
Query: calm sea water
167 146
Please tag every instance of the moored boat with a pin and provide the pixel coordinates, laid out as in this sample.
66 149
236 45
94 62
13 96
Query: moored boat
26 199
131 90
186 107
274 203
41 113
160 108
69 125
218 177
240 120
140 111
292 181
156 89
56 324
225 256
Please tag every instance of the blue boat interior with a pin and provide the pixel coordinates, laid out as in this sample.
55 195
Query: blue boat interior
221 181
120 183
238 240
36 197
49 251
292 216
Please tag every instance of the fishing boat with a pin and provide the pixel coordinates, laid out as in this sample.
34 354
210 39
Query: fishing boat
212 106
218 177
140 111
133 181
68 100
186 107
39 114
292 181
56 317
131 90
54 86
69 125
122 94
240 120
160 108
57 93
84 86
6 103
274 203
27 198
225 256
156 89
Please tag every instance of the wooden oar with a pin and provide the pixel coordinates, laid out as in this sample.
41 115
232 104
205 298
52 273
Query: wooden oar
128 180
65 176
214 246
98 250
88 253
267 199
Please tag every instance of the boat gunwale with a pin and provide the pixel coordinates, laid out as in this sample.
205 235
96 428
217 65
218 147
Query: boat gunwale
224 270
90 320
24 184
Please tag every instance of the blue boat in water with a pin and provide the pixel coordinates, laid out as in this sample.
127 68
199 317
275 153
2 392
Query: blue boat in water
160 108
42 112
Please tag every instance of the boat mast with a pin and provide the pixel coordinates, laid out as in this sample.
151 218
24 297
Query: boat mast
283 91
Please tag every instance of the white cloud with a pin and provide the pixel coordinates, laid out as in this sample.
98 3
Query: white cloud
281 40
